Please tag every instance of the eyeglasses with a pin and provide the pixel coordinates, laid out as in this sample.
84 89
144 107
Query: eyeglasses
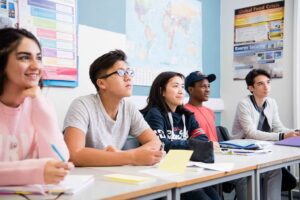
120 72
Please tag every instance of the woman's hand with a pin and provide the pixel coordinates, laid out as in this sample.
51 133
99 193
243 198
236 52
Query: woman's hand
32 92
55 171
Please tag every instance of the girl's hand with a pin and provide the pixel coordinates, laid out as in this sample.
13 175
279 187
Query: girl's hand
55 171
32 92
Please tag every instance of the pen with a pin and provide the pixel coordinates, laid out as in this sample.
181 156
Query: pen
57 152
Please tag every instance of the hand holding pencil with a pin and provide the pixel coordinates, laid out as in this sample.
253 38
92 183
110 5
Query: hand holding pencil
55 171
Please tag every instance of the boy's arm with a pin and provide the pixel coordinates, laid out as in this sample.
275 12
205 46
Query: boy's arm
149 139
84 156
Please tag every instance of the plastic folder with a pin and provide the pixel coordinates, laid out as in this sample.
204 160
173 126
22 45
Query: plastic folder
292 141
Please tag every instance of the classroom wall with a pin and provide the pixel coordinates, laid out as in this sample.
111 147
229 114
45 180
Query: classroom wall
101 28
233 91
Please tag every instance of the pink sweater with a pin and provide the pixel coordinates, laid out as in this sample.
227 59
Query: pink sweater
26 135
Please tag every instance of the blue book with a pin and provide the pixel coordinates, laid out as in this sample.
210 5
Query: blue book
240 144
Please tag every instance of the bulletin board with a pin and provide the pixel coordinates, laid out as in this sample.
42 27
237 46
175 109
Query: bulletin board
54 22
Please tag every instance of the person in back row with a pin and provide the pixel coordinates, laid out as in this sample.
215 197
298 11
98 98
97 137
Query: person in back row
97 125
197 86
174 125
28 124
257 118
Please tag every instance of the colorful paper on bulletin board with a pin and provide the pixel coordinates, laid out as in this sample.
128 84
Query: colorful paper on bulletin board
8 13
54 23
54 83
258 39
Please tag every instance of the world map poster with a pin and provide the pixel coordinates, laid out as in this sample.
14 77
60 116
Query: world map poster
163 36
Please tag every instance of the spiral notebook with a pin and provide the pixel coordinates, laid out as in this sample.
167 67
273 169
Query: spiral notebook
70 185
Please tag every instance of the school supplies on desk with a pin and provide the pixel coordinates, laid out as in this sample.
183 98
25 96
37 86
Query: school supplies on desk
247 144
291 141
176 161
244 152
57 152
70 185
224 167
124 178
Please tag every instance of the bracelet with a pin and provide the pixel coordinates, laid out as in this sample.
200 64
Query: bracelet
281 136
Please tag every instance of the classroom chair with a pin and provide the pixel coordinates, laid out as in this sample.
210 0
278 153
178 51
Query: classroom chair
131 143
223 135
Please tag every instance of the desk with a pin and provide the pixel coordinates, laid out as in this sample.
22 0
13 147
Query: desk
243 168
281 156
104 189
171 188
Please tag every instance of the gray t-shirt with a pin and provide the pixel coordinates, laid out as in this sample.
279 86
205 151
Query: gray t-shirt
88 114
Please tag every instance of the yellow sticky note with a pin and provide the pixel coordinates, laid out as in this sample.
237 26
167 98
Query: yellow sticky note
176 161
128 178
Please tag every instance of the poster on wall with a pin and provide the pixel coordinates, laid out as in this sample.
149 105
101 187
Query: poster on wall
8 14
258 39
163 36
54 23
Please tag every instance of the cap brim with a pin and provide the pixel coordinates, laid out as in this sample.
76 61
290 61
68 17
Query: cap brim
211 77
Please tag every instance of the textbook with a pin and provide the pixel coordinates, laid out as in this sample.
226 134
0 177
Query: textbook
70 185
124 178
248 144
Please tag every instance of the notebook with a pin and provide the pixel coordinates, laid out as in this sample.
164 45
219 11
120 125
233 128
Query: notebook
124 178
70 185
291 141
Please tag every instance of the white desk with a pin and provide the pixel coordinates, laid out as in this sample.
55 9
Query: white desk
281 156
243 168
104 189
171 188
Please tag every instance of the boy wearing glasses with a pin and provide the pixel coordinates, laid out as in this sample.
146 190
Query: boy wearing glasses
96 126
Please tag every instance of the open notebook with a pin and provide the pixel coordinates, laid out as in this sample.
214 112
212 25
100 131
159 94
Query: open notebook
71 185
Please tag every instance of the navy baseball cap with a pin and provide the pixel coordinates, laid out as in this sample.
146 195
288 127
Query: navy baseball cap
197 76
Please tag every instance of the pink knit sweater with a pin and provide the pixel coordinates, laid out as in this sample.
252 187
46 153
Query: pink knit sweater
26 135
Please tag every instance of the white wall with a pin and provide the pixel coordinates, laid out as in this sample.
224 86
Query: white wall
92 43
233 91
297 64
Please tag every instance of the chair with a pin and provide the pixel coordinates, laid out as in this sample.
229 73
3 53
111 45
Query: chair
223 135
131 143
